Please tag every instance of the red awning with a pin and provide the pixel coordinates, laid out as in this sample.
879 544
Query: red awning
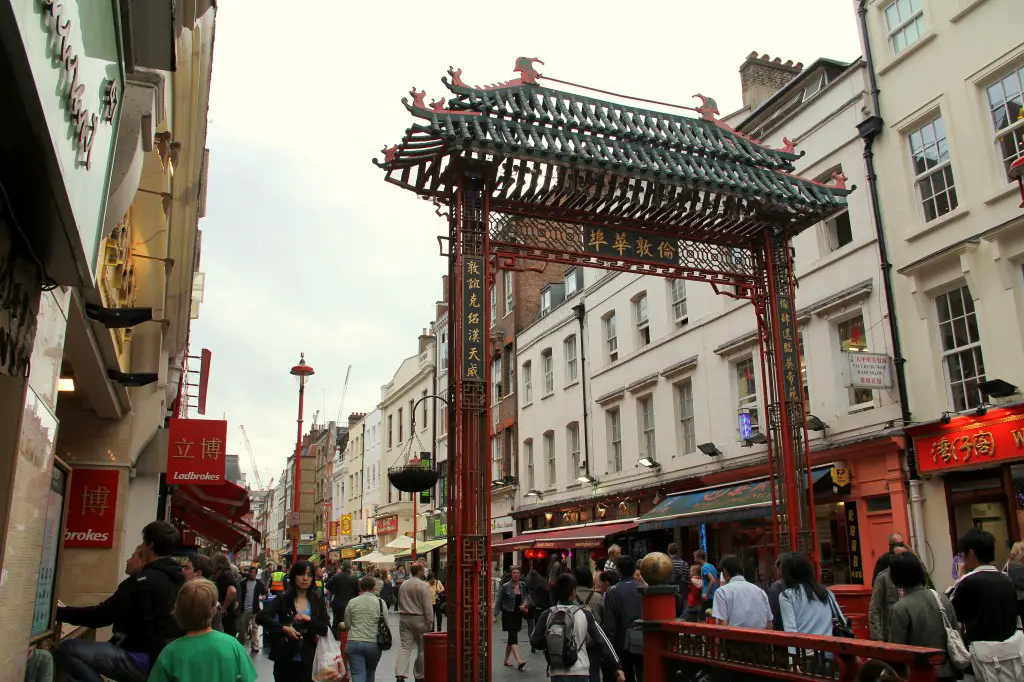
589 536
211 528
225 499
215 512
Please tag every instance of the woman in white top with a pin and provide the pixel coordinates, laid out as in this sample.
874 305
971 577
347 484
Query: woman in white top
806 607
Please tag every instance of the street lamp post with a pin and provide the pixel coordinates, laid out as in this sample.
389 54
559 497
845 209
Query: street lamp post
301 372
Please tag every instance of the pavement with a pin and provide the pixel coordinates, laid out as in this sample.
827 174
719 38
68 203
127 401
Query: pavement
534 671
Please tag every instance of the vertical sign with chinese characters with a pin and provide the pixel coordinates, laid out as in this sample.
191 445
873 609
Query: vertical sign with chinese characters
195 451
473 301
92 508
789 350
630 245
853 537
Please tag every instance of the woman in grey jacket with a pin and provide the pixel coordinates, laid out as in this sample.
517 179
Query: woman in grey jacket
916 618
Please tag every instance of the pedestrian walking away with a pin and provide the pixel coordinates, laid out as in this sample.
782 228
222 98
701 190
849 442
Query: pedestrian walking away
361 618
416 607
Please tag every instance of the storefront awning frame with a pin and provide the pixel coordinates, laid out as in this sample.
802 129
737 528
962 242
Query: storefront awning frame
583 536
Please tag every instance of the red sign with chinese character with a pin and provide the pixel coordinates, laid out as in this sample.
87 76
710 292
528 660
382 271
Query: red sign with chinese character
92 508
969 441
386 525
195 451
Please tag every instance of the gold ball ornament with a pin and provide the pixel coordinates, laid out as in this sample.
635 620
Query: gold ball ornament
656 568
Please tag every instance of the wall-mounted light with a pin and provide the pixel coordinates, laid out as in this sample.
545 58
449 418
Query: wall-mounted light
756 438
587 478
602 509
982 410
946 417
815 424
997 388
649 462
710 449
533 492
548 516
66 385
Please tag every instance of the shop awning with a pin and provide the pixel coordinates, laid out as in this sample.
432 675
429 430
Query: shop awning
210 527
225 499
422 548
588 536
215 512
748 500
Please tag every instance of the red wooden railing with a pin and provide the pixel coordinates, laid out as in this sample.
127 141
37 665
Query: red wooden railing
675 650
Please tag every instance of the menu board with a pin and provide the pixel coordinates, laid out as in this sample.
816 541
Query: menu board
47 577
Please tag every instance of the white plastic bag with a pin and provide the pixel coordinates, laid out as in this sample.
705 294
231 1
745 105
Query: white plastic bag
328 665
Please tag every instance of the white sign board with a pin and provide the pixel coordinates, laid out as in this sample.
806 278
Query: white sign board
291 520
867 370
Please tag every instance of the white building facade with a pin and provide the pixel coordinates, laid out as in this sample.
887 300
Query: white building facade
374 479
949 123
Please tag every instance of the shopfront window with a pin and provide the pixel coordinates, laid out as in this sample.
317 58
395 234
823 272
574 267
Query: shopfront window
746 394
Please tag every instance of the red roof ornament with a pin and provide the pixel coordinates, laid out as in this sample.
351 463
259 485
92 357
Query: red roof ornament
437 105
789 146
524 66
417 98
708 107
389 153
456 75
840 179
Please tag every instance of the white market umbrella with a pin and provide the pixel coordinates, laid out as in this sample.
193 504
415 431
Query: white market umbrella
401 542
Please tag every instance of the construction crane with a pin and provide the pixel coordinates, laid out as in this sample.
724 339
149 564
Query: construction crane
344 392
252 457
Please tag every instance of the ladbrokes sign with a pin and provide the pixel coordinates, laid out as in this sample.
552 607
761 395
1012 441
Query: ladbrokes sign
195 451
92 508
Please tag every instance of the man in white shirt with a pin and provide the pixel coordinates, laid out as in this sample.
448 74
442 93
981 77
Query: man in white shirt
737 602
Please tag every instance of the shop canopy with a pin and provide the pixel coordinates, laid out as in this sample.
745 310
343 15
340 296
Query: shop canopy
225 499
215 512
587 536
422 548
376 558
748 500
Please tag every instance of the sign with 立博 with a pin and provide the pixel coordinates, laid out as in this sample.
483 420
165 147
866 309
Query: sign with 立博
195 451
92 508
868 370
630 245
474 293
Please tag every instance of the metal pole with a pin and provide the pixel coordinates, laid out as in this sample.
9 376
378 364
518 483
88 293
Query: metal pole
415 507
580 310
298 472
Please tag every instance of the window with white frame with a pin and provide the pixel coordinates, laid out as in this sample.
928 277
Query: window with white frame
677 295
545 301
746 392
933 169
442 416
508 371
549 456
531 478
527 382
853 339
643 323
508 280
611 340
962 361
494 304
1006 106
496 379
645 419
547 366
571 368
496 471
687 436
838 231
905 21
400 424
572 443
614 420
573 282
444 352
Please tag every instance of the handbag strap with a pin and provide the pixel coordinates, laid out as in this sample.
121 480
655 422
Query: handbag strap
942 610
834 606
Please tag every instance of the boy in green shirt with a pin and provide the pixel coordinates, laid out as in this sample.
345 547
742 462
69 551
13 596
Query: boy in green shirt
203 654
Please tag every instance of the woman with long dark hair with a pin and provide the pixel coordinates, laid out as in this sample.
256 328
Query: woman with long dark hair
806 606
295 620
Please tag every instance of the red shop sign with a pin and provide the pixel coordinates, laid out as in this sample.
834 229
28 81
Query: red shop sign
969 441
92 508
388 524
195 451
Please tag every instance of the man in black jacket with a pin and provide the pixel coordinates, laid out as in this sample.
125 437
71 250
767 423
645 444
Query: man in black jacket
344 587
623 604
141 612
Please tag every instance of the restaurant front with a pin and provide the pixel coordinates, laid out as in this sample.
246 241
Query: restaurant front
972 468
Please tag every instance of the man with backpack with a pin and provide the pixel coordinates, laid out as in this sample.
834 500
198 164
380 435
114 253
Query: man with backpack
562 632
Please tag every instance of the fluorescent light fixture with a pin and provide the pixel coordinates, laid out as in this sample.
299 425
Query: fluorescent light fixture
649 462
533 492
997 388
586 478
757 438
710 449
815 424
66 385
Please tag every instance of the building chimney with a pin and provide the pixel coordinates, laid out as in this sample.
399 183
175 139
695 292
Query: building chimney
761 77
426 341
354 418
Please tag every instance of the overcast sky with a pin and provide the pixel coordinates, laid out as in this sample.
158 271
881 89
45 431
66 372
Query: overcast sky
307 249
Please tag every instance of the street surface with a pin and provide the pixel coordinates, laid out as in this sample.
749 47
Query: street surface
534 671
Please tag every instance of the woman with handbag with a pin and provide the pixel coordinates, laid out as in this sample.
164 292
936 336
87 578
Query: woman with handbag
512 607
922 617
294 621
806 605
362 621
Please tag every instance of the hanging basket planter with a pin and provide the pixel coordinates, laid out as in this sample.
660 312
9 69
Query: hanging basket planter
413 477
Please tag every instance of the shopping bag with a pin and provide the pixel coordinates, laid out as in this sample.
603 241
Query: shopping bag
328 665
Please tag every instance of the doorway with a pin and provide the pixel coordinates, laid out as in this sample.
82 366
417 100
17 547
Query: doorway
981 503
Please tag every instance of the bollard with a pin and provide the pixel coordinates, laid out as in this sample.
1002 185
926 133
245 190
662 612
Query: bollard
435 657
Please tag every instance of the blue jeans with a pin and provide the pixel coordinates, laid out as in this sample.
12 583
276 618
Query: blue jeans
363 658
85 661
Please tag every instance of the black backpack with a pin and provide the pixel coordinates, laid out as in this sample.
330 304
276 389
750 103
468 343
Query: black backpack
562 650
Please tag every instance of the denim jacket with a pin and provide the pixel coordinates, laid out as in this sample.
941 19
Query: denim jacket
507 596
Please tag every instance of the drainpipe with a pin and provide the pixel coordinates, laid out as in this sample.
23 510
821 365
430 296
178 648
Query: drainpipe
869 129
580 311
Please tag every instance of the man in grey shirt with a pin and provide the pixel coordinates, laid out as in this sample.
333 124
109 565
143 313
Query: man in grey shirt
416 606
737 602
248 630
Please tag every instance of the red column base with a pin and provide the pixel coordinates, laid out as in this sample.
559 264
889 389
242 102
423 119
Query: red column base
435 657
659 603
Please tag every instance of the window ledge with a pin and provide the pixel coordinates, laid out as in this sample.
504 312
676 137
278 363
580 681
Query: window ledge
925 39
1001 193
569 385
955 214
574 486
547 395
856 409
525 405
968 7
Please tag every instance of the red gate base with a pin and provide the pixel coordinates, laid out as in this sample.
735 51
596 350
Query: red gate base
435 657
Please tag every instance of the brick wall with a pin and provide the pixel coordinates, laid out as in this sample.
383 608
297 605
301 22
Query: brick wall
761 77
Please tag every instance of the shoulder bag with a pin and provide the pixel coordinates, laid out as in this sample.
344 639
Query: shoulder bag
384 637
959 656
840 623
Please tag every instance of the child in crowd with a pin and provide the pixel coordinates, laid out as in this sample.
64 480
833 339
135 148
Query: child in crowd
203 654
